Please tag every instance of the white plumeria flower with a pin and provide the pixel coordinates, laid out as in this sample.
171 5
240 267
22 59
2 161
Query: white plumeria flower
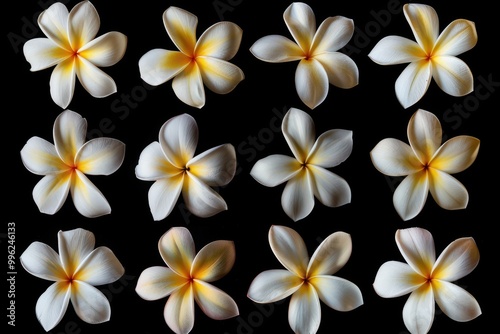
198 62
320 63
426 165
433 55
171 163
65 164
72 48
429 281
305 174
187 279
307 280
75 271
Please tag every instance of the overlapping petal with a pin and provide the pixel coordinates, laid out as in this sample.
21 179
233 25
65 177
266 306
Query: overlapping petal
163 195
220 41
200 199
393 50
447 191
158 282
52 305
42 261
394 158
90 304
216 166
331 255
297 198
452 75
276 49
213 261
304 312
301 23
188 86
100 156
87 198
332 35
456 154
70 129
413 82
337 293
289 249
179 310
275 169
40 157
179 138
158 66
299 131
220 76
457 260
100 267
273 285
396 279
410 195
181 28
419 310
341 70
94 80
456 302
106 50
214 302
311 82
177 249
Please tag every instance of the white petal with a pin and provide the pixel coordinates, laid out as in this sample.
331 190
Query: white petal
42 53
70 130
393 50
153 165
188 86
84 23
458 37
90 304
200 199
52 305
299 131
304 312
418 312
181 27
178 139
87 198
329 188
213 261
51 192
394 158
457 260
177 249
74 247
276 49
338 293
424 134
158 66
215 166
456 154
417 247
273 285
413 82
163 196
342 71
289 249
219 76
410 195
275 169
456 302
301 22
54 23
311 82
100 267
221 40
100 156
105 50
424 23
179 310
94 80
158 282
331 148
40 157
297 199
62 82
452 75
331 255
42 261
332 35
215 303
447 191
396 279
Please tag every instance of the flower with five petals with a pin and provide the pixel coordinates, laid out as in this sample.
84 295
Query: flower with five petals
198 62
320 63
429 280
72 47
432 56
66 163
75 271
171 163
426 165
305 174
307 280
187 279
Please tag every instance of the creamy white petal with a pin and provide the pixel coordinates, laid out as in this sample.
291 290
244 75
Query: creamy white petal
297 199
214 302
393 50
304 312
90 304
394 158
221 40
158 282
40 157
289 248
100 156
329 188
51 192
338 293
273 285
333 34
301 22
396 279
62 82
52 305
158 66
87 198
54 23
200 199
74 247
94 80
181 27
424 23
177 249
456 302
276 49
188 86
456 154
417 247
83 24
163 195
452 75
341 70
424 134
447 191
105 50
42 261
331 255
220 76
299 131
413 82
458 37
215 166
43 53
418 312
311 82
410 195
275 169
179 310
179 138
70 130
213 261
331 148
153 164
457 260
100 267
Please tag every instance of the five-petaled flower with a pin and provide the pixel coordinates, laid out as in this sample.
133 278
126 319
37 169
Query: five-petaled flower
75 271
65 164
305 174
320 63
426 165
187 279
429 280
171 163
307 280
198 62
72 47
433 55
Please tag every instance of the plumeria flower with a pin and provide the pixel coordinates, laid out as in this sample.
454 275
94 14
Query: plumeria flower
426 165
433 55
305 174
198 62
65 164
307 280
187 279
429 281
171 163
72 48
320 63
75 271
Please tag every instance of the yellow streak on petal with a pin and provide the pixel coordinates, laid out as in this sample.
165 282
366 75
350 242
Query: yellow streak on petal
186 37
175 61
60 180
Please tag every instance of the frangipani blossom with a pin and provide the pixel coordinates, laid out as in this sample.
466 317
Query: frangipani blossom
187 279
320 63
171 163
429 280
426 164
307 280
72 48
305 173
65 164
198 62
75 271
433 55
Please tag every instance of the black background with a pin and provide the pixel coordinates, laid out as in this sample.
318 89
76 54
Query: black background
249 118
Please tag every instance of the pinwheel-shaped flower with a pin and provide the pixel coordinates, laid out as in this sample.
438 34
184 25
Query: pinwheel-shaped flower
188 279
198 62
426 165
305 174
429 281
174 168
433 55
75 271
307 280
65 164
72 47
320 63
